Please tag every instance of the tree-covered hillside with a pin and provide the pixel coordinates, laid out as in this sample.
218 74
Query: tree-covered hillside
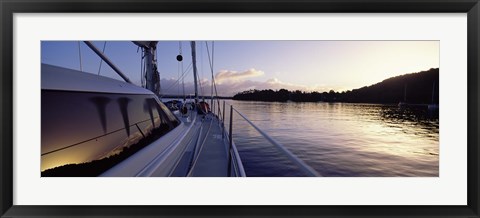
416 88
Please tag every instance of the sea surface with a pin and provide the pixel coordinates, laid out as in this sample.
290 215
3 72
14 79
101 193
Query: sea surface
337 139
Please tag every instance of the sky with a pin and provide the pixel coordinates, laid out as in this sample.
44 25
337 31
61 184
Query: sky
244 65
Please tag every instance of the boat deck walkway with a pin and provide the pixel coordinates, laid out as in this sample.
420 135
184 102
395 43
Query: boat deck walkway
212 159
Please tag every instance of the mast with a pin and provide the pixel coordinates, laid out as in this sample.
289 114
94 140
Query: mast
152 75
148 52
194 64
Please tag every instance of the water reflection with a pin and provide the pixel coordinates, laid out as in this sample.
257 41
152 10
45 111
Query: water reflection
340 139
147 107
123 104
83 127
100 103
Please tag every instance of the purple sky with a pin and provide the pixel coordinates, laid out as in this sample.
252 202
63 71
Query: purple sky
242 65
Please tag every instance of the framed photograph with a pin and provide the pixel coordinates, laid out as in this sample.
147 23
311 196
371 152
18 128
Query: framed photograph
239 109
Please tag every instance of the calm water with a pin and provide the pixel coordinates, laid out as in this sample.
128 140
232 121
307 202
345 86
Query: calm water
338 139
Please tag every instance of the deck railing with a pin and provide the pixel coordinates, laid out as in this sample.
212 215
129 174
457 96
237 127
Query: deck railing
233 153
235 165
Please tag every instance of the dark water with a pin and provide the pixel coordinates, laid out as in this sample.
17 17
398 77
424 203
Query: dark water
338 139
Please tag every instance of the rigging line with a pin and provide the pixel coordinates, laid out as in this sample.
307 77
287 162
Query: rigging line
179 62
183 78
178 76
80 56
209 64
142 79
202 91
213 78
141 68
101 60
144 70
183 85
180 47
214 83
211 69
211 86
201 87
183 75
201 61
157 71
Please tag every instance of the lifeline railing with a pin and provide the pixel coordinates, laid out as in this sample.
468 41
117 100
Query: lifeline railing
235 166
233 153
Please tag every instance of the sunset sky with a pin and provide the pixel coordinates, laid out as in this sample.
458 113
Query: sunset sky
243 65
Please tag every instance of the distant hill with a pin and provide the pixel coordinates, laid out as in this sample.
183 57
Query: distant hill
417 86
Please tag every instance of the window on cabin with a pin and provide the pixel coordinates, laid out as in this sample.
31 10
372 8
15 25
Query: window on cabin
86 133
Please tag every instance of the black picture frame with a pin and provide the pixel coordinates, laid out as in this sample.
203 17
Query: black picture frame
9 7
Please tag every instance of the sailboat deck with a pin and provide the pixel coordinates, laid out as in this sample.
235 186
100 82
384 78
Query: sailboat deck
212 160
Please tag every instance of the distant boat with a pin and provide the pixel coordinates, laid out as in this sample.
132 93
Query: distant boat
433 106
404 102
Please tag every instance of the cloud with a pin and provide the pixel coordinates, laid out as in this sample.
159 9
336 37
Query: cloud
273 81
231 89
229 83
227 76
170 87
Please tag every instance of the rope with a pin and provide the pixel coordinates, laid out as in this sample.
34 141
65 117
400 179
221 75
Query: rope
178 76
211 69
157 72
183 79
143 70
211 87
141 67
80 56
201 87
183 75
101 60
201 61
